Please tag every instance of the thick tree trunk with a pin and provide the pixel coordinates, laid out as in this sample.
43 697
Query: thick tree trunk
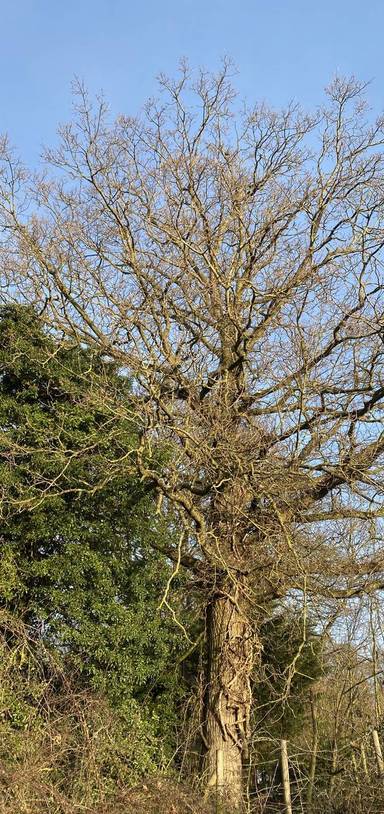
228 694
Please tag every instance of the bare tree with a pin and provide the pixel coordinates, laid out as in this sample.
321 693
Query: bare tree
231 261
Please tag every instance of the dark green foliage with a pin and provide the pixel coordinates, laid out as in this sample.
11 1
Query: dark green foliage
55 431
78 567
291 662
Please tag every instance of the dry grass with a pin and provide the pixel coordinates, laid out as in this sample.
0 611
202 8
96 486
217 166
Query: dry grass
156 796
28 793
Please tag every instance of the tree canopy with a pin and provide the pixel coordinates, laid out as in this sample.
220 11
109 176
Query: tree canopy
229 264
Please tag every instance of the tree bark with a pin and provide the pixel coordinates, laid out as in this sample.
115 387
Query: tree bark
314 749
335 753
228 694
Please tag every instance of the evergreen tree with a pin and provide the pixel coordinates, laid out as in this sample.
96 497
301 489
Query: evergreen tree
79 569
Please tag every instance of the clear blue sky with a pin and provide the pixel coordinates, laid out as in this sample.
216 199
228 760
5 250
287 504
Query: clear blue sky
283 49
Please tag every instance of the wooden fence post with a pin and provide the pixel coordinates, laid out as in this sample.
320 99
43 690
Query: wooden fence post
285 777
354 767
364 759
219 780
378 752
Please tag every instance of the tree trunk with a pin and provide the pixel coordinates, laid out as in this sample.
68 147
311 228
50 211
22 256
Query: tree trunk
314 748
228 694
335 753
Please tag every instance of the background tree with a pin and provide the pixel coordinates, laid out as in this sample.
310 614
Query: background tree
232 263
79 570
